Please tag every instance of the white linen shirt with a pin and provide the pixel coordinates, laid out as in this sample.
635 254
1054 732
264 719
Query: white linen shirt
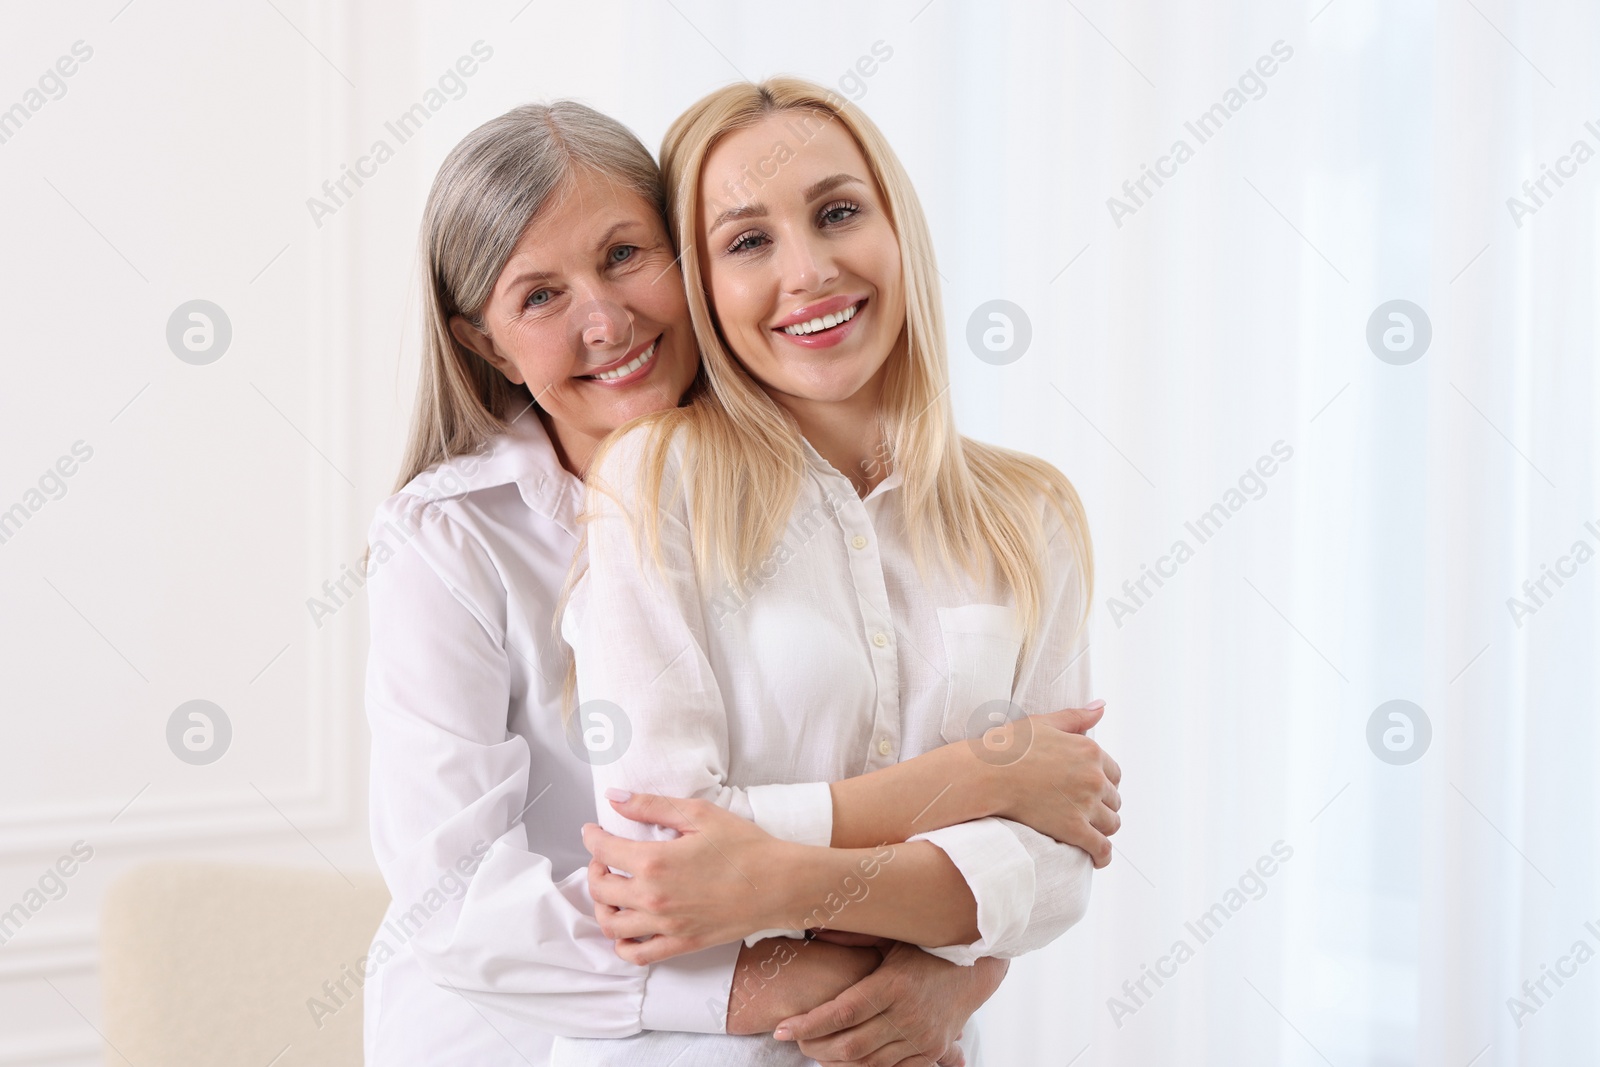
490 946
833 657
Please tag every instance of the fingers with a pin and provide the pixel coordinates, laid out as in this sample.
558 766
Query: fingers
1103 817
607 888
883 1047
656 949
1096 844
614 851
626 925
1072 720
848 1009
1112 769
671 812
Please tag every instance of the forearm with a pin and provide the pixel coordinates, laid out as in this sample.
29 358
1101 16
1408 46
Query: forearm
943 787
907 892
782 977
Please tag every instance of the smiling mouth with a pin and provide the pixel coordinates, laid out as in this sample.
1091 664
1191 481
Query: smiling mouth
635 364
824 323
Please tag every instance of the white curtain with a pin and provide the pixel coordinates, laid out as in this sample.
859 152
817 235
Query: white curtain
1357 518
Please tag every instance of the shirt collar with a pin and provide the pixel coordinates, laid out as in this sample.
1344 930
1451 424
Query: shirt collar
522 456
814 458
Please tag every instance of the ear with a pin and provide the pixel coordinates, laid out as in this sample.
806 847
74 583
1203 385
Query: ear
481 343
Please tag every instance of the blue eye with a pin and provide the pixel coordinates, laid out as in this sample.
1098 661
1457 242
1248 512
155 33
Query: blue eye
745 242
838 212
534 298
626 251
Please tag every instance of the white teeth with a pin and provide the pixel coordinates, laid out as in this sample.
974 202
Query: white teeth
630 366
826 322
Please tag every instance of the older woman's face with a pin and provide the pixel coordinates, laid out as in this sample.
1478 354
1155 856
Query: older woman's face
800 260
589 312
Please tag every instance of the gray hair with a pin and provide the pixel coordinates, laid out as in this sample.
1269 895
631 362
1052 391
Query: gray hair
488 189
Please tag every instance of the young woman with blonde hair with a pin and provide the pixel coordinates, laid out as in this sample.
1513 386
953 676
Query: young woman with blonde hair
807 574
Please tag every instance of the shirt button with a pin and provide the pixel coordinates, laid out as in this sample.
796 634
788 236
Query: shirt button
858 541
884 748
879 639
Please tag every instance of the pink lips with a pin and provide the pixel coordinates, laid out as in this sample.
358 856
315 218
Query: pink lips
817 310
628 379
822 338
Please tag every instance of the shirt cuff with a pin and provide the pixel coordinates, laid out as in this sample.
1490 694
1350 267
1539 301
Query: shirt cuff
689 993
801 813
999 871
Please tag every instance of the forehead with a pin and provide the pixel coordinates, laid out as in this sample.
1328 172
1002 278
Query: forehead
786 151
580 211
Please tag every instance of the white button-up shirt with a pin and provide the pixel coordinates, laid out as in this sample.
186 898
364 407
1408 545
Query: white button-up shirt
832 657
490 946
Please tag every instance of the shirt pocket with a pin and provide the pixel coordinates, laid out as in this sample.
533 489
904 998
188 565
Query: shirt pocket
981 646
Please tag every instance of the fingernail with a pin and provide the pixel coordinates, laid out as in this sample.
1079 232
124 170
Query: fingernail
1094 705
613 793
783 1033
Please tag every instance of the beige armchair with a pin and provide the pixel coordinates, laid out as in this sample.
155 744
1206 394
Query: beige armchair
206 964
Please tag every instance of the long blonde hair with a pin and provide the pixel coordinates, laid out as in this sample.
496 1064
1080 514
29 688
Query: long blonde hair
971 505
488 189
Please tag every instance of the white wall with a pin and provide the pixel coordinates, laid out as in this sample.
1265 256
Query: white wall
1227 313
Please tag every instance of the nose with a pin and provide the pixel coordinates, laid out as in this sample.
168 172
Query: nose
602 327
807 264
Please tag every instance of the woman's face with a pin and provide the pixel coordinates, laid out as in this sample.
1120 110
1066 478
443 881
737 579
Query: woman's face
589 312
800 260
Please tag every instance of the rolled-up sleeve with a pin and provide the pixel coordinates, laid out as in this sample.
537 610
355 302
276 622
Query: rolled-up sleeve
483 913
1029 888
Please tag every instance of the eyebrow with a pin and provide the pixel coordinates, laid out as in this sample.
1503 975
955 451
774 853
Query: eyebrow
757 209
543 275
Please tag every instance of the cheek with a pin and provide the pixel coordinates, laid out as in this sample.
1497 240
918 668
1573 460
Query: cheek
659 295
738 308
540 350
890 278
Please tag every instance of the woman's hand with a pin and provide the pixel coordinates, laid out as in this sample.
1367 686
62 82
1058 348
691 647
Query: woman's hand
909 1011
719 882
1052 778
